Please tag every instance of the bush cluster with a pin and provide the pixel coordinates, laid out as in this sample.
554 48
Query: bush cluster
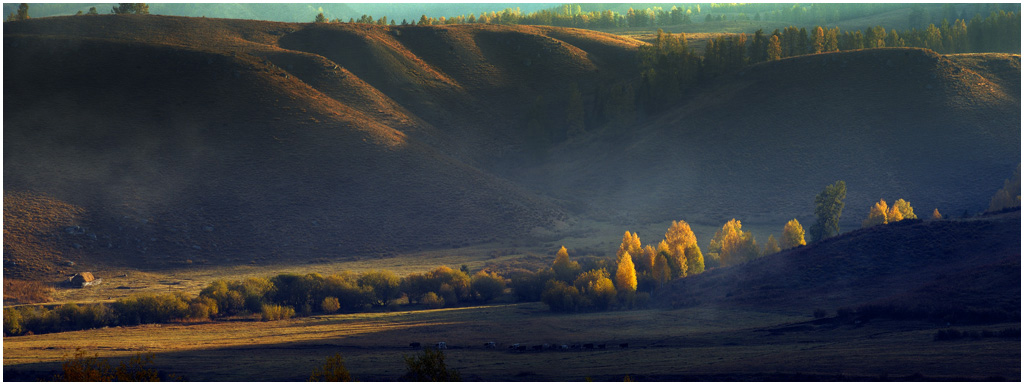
954 334
279 297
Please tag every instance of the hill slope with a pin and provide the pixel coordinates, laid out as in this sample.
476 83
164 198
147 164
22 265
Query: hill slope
947 264
938 131
206 145
195 139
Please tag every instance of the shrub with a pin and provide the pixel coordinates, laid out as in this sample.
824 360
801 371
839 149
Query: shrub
202 308
487 286
330 305
93 369
276 312
333 371
150 308
559 296
429 367
432 300
12 322
385 285
528 286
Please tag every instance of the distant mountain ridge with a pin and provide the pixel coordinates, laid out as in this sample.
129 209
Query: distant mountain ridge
237 141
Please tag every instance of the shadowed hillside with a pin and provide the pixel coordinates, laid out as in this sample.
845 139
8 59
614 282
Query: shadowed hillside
193 140
938 131
181 149
930 265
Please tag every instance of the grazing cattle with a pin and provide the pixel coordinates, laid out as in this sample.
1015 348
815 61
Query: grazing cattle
547 346
414 345
513 347
625 345
564 347
588 346
601 346
442 346
489 345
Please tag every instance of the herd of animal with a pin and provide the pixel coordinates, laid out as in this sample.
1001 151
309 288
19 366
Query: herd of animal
535 348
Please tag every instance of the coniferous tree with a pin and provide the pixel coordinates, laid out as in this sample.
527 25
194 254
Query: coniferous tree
22 12
774 49
818 40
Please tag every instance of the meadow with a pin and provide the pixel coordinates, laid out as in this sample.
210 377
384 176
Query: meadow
703 343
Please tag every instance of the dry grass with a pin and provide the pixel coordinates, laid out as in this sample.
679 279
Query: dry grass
20 291
662 344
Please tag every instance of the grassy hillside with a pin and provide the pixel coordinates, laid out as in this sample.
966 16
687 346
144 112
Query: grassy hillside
194 140
935 266
759 144
206 145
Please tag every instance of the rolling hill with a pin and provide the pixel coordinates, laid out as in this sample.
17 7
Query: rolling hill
758 145
174 140
929 266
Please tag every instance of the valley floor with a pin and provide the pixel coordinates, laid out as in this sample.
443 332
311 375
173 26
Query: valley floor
702 343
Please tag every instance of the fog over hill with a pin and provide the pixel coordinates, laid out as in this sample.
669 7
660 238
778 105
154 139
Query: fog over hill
177 138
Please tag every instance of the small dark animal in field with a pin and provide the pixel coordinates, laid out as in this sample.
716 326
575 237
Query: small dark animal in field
626 345
414 345
563 347
513 347
588 346
601 346
441 345
489 345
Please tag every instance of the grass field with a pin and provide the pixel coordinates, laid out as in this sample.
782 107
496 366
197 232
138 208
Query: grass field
695 343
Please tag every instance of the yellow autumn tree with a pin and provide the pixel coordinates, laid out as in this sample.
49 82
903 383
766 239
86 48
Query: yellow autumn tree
731 245
936 214
565 270
893 215
877 214
630 244
771 246
694 260
645 260
1009 195
661 271
625 273
906 212
792 235
679 239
